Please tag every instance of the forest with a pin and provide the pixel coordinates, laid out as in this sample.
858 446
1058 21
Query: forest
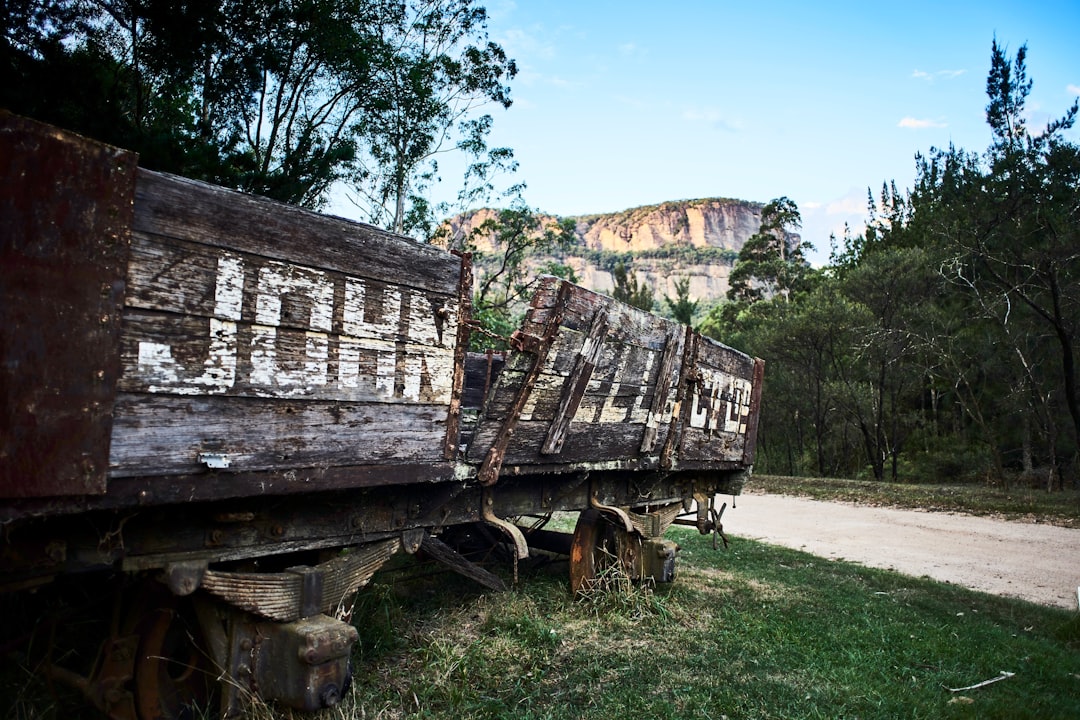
938 344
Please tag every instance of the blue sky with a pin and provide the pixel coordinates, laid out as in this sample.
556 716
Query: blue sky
620 104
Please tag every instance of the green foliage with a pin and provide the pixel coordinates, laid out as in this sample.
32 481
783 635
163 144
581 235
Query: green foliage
628 290
682 308
282 99
504 280
940 342
681 254
770 261
436 70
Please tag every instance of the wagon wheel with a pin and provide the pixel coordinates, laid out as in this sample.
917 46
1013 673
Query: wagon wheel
173 678
599 545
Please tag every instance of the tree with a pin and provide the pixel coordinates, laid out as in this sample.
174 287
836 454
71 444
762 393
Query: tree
280 98
682 308
628 290
435 70
1011 221
771 261
500 246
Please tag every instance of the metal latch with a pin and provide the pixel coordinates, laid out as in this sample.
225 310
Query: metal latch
215 461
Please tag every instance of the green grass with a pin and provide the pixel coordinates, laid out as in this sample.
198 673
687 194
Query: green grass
755 631
1014 503
752 632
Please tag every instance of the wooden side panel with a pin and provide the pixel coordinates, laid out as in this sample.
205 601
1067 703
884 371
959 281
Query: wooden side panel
611 403
718 420
278 338
621 386
65 217
162 435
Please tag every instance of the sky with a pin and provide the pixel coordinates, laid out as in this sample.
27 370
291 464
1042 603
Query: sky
622 104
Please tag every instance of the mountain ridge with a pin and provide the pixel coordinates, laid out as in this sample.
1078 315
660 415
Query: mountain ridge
695 239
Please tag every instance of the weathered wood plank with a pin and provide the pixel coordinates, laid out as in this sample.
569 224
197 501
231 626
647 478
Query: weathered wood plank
231 323
190 210
154 435
481 373
193 279
602 401
673 351
718 408
635 386
188 355
628 324
488 472
596 444
576 383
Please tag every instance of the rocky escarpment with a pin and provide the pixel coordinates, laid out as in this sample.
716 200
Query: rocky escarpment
660 244
711 222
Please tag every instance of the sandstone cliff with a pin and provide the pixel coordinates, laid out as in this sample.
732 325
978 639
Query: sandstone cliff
711 222
695 239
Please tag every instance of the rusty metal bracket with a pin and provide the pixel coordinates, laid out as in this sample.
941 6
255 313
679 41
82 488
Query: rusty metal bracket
487 512
619 514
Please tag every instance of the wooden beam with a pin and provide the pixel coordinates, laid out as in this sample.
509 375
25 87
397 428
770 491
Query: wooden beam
577 382
673 348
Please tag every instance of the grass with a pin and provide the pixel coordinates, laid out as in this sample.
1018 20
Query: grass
755 631
1013 503
752 632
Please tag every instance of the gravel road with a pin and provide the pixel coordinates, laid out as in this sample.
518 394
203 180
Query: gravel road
1039 563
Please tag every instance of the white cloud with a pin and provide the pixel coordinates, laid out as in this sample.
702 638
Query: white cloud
1072 89
931 76
714 118
849 205
636 103
518 42
631 50
917 124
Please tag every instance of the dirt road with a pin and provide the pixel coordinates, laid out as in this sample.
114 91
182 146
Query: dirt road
1039 563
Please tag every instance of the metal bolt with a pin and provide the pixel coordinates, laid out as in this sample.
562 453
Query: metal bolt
330 695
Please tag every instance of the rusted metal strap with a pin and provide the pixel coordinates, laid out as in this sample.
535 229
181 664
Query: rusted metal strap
453 416
673 349
576 383
538 347
688 377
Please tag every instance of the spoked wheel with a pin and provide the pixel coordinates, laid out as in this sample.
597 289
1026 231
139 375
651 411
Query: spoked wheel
173 676
599 547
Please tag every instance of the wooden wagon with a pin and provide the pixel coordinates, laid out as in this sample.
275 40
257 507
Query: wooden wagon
248 408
